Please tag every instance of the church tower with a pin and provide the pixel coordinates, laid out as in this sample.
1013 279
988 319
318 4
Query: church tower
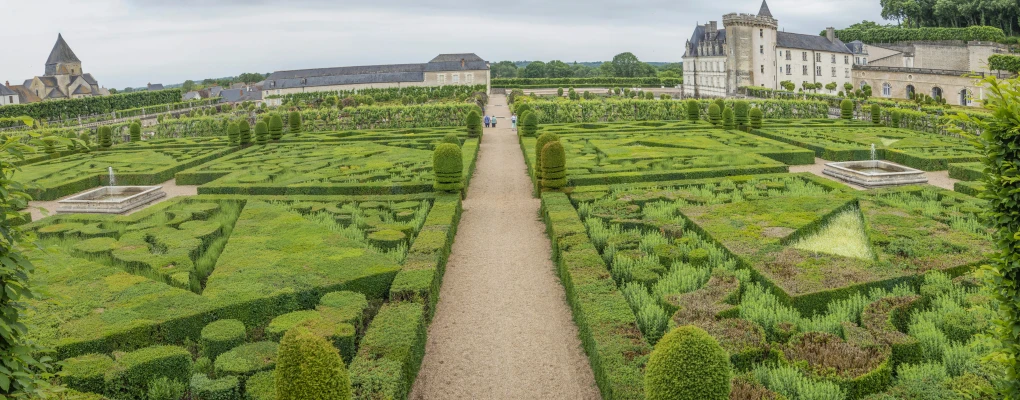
752 41
62 60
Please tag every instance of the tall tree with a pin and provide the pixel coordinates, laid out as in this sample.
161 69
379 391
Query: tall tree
627 65
535 69
188 85
504 69
557 69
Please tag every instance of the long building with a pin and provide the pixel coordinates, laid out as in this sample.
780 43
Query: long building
445 69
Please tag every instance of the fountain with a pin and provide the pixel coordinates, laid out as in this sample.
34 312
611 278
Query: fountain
874 173
111 199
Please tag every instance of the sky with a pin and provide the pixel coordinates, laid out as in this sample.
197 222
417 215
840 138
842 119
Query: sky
133 42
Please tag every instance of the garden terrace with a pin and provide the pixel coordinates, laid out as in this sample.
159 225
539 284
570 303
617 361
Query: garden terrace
561 110
651 151
928 152
58 177
158 277
777 254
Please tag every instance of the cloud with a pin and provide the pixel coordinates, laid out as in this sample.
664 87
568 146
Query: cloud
134 42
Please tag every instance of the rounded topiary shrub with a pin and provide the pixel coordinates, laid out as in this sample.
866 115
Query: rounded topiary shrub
529 124
309 367
543 140
714 114
756 117
740 111
105 136
164 388
224 388
688 363
244 132
220 336
521 108
295 122
693 110
846 109
136 132
727 118
85 373
894 119
876 114
261 133
554 166
233 133
451 138
448 166
474 124
275 127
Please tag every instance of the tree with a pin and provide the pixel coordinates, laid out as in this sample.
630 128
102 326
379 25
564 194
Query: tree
474 124
244 132
26 365
554 166
250 77
559 92
535 69
294 120
275 127
848 87
188 85
114 91
788 86
261 132
504 69
688 363
557 69
448 167
627 65
582 71
136 132
309 368
831 86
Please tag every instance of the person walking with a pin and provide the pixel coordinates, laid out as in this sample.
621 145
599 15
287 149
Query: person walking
486 121
493 121
513 122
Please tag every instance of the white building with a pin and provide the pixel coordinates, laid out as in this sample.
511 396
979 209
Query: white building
751 51
8 96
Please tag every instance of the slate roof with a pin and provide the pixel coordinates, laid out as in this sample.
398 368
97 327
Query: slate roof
764 11
699 36
82 90
215 91
6 91
331 80
467 57
856 47
239 95
26 96
55 94
89 79
61 53
158 86
48 81
810 42
455 66
192 95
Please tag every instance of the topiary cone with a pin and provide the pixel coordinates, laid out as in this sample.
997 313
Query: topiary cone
295 122
846 109
261 133
714 114
727 117
756 116
543 140
474 124
693 110
554 166
448 165
529 124
275 127
244 132
876 114
105 136
688 363
310 368
233 133
740 111
136 132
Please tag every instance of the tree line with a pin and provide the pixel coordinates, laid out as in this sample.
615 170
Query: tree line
953 13
623 65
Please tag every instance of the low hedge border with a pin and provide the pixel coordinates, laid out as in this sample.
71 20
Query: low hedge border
694 173
969 188
969 172
608 328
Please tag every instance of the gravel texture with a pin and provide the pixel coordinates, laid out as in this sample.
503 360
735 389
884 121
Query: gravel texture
502 329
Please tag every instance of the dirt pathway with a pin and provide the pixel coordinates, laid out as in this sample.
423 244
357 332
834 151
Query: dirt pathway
502 329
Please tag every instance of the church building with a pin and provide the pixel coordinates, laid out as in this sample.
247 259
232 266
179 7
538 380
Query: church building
63 77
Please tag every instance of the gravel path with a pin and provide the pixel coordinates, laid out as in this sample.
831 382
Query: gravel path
936 178
169 187
502 329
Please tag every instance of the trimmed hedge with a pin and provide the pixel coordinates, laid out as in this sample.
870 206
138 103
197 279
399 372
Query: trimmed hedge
72 108
606 325
275 127
261 386
474 124
554 166
247 359
688 363
895 34
390 354
85 373
225 388
129 377
310 368
220 336
582 82
693 110
448 166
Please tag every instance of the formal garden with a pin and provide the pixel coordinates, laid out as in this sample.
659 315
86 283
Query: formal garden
695 264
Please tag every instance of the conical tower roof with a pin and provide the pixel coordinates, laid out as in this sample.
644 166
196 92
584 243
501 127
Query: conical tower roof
61 53
764 11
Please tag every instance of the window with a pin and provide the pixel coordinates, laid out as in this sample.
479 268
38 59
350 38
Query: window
788 71
818 70
763 69
846 59
441 79
818 57
10 99
805 69
469 78
886 90
456 78
857 60
833 58
803 55
833 72
761 33
788 55
847 73
761 49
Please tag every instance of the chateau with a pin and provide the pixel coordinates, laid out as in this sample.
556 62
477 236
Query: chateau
749 50
62 79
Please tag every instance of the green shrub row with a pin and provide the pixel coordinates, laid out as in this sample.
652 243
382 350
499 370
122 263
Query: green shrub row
896 34
602 81
611 110
694 173
72 108
130 375
968 172
609 332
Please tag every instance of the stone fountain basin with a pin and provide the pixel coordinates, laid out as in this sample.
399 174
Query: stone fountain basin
111 199
874 173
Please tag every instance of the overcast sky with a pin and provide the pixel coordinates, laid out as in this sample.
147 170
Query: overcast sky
134 42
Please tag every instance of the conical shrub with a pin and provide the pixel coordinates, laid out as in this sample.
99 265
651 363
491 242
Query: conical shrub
688 363
136 132
529 124
543 140
233 133
693 110
554 166
474 124
295 122
756 118
261 132
275 127
714 114
846 109
309 368
105 136
727 118
740 113
244 132
448 166
876 114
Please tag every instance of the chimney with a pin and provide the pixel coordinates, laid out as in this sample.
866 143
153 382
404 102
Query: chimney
462 63
8 83
830 33
712 28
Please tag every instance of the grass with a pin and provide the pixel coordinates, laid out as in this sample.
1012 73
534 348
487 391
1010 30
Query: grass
843 235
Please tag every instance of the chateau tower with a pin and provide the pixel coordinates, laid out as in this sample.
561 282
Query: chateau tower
752 41
62 60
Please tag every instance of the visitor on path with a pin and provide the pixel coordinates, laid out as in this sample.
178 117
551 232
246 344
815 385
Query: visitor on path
493 121
513 122
486 121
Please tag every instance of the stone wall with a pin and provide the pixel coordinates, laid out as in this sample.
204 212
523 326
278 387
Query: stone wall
900 81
